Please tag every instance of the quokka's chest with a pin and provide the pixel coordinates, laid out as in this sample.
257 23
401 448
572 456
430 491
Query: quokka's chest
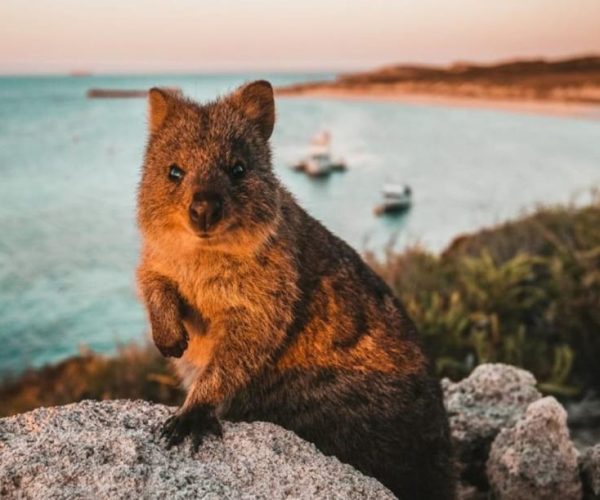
211 290
217 288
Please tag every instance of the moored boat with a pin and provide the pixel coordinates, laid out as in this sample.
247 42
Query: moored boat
397 198
318 162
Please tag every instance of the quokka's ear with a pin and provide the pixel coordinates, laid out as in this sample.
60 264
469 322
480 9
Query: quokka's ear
160 103
256 102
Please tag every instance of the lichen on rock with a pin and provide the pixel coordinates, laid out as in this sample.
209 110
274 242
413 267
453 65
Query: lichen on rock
479 406
589 463
535 458
110 450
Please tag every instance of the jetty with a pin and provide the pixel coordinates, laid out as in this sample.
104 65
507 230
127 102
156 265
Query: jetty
99 93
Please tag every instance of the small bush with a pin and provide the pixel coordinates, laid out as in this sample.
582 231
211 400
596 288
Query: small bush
134 373
525 293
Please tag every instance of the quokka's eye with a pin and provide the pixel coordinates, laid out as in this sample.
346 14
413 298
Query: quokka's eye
175 173
238 170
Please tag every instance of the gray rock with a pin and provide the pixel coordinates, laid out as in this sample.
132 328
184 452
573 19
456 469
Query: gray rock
479 406
589 463
491 398
535 458
110 450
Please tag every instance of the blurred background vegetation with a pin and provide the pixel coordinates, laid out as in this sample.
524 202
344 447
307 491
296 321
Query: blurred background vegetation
526 292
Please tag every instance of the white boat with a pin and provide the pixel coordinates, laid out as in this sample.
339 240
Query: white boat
396 198
317 165
318 162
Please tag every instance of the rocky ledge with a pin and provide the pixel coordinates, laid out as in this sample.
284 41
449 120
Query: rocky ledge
110 450
510 443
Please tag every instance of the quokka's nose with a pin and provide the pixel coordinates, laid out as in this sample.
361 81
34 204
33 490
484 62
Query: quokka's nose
206 210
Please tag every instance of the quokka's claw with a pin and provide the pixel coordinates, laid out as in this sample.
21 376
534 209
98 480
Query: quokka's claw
196 422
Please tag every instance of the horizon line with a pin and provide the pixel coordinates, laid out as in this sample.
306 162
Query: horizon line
83 72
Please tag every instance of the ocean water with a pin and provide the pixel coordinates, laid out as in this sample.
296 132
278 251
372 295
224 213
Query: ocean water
69 168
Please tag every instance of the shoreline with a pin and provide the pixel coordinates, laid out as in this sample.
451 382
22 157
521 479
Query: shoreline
570 109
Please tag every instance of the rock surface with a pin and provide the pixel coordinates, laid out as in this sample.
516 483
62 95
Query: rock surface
109 450
535 458
590 470
479 406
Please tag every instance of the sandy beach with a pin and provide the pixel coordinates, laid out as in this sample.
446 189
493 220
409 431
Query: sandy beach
528 106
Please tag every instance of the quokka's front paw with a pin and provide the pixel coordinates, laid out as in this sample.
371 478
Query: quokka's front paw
197 422
170 341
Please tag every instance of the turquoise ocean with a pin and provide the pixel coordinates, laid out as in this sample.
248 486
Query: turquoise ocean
69 167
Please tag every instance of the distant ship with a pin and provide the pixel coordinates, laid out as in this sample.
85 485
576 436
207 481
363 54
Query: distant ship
318 162
78 73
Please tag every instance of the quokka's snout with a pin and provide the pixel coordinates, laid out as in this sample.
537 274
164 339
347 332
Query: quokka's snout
207 198
206 210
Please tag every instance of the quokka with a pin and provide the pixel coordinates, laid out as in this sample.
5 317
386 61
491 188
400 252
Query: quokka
269 316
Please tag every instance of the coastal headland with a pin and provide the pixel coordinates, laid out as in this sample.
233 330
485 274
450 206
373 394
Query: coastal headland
568 87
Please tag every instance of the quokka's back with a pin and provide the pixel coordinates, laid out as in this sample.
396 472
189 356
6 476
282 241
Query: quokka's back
269 316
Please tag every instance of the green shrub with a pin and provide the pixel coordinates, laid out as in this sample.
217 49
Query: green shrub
136 372
525 293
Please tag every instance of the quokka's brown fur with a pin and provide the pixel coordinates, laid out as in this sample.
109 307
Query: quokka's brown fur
268 315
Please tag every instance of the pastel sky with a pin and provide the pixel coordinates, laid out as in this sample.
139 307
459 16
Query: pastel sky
48 36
